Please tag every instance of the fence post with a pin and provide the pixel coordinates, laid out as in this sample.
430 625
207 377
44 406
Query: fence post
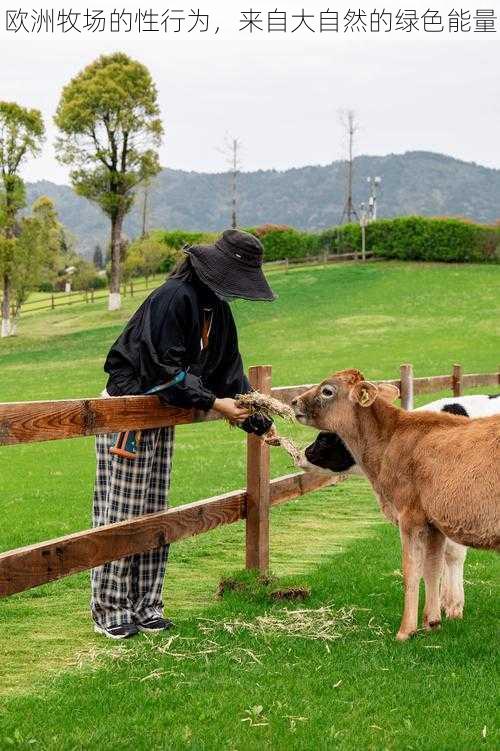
406 386
52 304
257 512
456 380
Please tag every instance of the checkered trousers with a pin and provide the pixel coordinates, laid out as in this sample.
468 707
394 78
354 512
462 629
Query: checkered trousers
130 590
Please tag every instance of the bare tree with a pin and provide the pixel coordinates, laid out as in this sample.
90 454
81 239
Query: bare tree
231 150
350 126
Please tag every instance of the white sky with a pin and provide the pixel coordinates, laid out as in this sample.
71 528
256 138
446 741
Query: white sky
281 98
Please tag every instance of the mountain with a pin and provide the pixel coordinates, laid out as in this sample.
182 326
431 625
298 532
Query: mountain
416 182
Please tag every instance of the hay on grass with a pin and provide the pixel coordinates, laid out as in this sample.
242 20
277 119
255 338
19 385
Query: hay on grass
291 593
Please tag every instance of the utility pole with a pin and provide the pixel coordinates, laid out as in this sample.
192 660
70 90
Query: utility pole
350 125
374 183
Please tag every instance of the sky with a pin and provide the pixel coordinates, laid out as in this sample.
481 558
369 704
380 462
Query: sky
282 98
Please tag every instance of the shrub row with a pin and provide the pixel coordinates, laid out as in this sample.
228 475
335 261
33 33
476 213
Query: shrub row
419 239
406 238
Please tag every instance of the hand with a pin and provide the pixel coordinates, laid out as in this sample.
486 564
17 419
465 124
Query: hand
230 410
271 437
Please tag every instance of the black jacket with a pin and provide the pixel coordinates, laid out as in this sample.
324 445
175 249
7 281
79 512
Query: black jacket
163 337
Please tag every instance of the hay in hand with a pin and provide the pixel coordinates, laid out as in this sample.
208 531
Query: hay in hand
296 454
265 405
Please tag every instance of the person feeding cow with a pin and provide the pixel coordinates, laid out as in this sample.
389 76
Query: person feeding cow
182 343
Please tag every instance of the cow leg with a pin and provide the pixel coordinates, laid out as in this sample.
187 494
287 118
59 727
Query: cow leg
433 568
412 542
452 582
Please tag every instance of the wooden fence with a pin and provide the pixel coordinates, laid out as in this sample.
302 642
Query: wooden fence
59 300
29 422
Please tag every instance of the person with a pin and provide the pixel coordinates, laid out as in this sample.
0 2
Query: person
184 335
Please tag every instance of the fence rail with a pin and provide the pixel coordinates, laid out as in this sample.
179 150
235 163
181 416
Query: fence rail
29 422
131 287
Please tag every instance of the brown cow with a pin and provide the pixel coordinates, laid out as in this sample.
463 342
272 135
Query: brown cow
435 475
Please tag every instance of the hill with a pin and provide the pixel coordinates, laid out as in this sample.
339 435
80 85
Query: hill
416 182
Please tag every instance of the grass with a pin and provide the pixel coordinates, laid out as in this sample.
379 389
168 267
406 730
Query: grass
252 687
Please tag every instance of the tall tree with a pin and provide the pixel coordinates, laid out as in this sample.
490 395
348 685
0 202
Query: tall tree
231 151
37 253
21 136
110 127
98 258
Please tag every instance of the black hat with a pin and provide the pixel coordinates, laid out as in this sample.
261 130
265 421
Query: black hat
232 267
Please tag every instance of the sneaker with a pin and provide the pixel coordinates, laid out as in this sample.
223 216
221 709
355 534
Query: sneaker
155 625
125 631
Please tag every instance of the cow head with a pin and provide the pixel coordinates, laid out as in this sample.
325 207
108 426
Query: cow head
329 405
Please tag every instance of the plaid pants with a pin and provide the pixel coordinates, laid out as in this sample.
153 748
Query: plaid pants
130 590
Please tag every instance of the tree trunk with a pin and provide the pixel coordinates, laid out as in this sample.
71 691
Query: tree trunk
6 328
114 302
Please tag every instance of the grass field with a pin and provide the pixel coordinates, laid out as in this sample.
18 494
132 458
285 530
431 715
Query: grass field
341 681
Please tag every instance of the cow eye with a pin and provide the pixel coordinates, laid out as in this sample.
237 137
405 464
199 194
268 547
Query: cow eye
328 391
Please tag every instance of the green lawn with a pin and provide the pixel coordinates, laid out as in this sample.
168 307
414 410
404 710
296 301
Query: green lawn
220 685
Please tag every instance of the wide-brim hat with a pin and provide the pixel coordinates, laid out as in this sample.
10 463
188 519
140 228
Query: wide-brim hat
232 266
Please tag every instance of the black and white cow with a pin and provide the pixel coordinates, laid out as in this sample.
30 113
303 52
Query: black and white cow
328 453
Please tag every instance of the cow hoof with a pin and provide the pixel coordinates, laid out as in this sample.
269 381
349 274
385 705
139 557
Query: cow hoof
404 635
432 625
454 612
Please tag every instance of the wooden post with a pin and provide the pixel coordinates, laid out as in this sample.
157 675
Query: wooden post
406 386
456 380
257 512
52 304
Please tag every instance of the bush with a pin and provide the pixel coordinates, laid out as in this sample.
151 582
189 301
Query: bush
405 238
287 243
46 287
98 282
418 238
177 238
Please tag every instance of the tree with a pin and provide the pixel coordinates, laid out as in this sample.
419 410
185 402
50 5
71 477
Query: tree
110 128
146 256
21 136
37 253
98 258
232 152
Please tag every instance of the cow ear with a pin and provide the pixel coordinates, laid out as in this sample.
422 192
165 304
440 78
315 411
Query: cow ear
388 391
363 393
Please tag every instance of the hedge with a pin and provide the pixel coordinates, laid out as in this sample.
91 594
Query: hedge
406 238
419 239
177 238
413 238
